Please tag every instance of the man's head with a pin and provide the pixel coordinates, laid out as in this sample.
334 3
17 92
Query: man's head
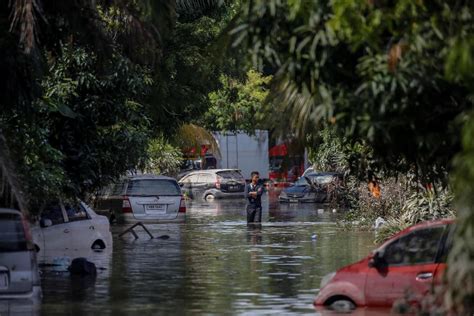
254 176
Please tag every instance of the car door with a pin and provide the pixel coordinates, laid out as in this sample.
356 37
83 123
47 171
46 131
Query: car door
80 226
198 185
186 185
57 236
407 267
111 198
207 181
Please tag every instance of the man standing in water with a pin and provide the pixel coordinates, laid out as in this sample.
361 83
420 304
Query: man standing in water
253 192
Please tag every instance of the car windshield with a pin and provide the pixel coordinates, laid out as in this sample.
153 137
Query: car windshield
301 182
322 179
153 187
12 236
235 175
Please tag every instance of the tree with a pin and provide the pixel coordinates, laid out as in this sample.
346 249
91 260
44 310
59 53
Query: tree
76 76
238 106
191 67
382 72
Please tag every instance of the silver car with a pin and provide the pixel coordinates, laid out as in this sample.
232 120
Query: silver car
214 183
19 275
144 198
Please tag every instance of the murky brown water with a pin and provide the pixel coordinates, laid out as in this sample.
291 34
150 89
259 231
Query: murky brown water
213 264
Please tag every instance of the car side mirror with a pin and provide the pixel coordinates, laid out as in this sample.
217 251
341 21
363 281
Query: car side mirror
46 222
375 260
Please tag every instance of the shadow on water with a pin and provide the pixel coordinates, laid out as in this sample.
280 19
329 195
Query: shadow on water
214 264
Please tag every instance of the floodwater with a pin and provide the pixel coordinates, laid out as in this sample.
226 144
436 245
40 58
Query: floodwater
213 264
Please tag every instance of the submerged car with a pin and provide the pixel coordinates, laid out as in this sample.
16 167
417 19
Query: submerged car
409 263
314 187
144 198
66 227
216 183
19 275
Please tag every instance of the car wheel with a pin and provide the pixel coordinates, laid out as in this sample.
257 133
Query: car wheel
342 305
210 197
98 245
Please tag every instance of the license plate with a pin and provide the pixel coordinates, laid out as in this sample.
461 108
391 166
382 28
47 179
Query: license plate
3 281
293 200
155 208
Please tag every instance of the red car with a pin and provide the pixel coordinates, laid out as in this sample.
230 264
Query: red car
409 263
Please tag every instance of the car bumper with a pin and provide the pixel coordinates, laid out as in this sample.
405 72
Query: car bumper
223 195
32 297
297 200
130 219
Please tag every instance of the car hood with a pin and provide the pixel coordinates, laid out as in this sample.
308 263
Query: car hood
298 189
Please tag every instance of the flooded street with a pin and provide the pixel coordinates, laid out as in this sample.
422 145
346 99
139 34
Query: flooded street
213 264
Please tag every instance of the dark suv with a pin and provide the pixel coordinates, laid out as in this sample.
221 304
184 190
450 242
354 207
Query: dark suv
216 183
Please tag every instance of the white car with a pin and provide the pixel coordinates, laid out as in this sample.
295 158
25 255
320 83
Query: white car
149 199
65 228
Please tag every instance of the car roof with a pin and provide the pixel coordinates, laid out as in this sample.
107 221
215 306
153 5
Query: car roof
426 224
211 171
9 211
150 177
323 174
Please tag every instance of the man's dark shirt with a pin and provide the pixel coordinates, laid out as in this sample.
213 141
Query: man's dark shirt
254 201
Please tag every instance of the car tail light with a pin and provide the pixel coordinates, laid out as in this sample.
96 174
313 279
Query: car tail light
28 236
26 229
126 206
182 206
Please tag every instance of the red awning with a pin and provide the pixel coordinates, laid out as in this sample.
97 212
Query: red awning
278 150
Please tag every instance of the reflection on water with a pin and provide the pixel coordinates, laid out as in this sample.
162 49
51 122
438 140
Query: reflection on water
214 263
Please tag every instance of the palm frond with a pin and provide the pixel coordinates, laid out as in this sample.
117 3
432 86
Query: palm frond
196 5
24 16
10 193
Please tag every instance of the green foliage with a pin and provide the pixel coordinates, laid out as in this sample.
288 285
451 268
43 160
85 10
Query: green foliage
238 106
329 152
163 158
96 119
419 204
190 69
375 69
460 273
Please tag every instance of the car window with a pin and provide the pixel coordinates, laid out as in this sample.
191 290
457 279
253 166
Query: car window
12 236
420 246
302 182
153 187
228 175
448 244
118 188
206 178
323 179
75 212
190 179
54 213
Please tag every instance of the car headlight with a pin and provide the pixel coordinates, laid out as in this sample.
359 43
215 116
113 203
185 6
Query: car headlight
326 279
